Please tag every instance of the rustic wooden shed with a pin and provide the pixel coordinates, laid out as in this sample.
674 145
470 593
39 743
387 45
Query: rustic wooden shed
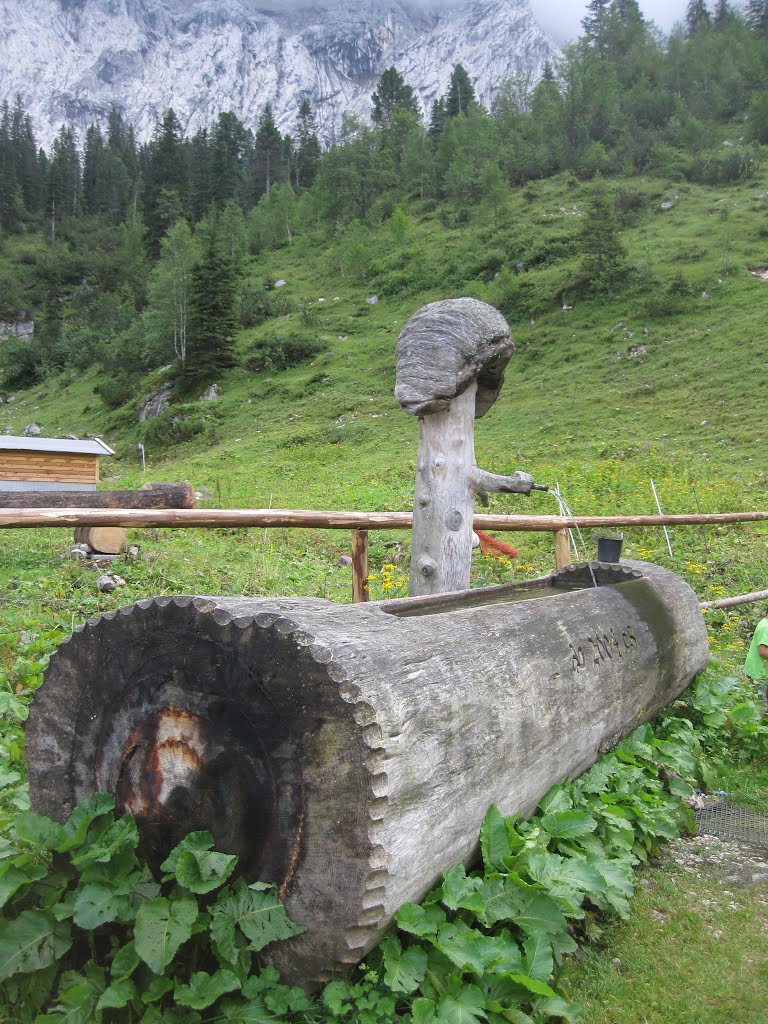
50 464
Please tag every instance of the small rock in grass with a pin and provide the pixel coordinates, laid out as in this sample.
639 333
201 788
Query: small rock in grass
105 584
344 561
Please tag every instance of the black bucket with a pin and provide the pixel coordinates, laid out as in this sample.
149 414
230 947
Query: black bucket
609 549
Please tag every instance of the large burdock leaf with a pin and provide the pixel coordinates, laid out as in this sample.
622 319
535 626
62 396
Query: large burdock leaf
568 824
404 969
95 905
256 911
31 941
162 926
202 871
204 989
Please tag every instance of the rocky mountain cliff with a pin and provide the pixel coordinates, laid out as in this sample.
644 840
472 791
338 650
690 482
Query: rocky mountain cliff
72 60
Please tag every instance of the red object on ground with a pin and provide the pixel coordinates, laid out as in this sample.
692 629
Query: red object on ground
496 548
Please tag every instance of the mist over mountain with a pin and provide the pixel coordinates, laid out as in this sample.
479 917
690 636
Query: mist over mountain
72 60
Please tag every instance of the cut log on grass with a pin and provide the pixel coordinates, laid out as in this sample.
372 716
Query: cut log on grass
105 540
148 496
349 753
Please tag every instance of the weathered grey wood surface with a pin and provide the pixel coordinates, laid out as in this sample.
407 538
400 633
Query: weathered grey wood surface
350 753
148 496
451 357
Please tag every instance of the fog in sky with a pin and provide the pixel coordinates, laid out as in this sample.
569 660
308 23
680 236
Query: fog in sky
562 18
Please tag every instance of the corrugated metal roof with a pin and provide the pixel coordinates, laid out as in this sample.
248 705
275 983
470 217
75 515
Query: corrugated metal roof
54 444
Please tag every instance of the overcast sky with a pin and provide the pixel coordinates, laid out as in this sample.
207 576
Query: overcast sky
562 18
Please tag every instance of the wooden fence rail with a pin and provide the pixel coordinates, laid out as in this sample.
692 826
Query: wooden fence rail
358 522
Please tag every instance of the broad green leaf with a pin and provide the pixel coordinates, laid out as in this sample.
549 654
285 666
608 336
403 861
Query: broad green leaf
421 921
95 905
75 828
124 962
537 961
121 835
78 996
252 1012
423 1011
157 988
12 707
459 891
259 915
461 945
501 900
558 1007
466 1005
743 714
162 926
539 912
539 988
679 788
555 799
567 824
31 941
14 875
118 995
121 873
204 989
37 830
194 841
494 840
500 953
202 871
403 969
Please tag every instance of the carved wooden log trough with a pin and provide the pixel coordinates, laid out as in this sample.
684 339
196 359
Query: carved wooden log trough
350 753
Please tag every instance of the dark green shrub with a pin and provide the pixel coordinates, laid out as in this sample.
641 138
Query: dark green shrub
280 352
724 168
178 423
117 389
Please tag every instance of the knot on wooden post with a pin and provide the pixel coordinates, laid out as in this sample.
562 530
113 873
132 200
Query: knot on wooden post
445 348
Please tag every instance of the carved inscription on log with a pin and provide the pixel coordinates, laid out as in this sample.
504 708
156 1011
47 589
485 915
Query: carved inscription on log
601 646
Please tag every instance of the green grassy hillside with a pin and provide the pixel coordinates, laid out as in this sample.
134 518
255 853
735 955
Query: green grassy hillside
662 377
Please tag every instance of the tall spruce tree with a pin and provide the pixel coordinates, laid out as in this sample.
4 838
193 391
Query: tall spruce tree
697 16
391 95
604 256
212 318
723 15
11 203
307 146
757 17
460 97
595 24
269 165
230 148
166 179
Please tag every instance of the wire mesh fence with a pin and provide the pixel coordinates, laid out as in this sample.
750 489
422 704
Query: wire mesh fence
727 820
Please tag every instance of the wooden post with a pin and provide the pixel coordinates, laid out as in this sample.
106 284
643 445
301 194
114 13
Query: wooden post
562 548
359 566
451 358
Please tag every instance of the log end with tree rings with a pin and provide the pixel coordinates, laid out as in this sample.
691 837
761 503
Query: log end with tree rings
349 753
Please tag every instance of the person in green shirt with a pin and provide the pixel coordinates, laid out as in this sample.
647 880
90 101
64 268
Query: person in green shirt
756 665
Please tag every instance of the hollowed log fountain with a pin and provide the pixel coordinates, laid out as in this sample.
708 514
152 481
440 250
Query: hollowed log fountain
349 753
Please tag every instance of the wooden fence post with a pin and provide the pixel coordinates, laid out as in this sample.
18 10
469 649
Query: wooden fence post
562 548
359 566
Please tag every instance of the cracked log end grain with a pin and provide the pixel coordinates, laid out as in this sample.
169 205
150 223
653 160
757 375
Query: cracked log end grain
444 348
349 753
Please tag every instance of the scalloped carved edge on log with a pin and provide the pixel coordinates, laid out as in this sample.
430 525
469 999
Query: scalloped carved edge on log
378 736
